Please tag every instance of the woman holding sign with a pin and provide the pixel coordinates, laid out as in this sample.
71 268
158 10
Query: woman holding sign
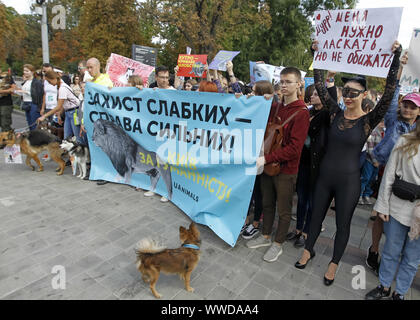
339 176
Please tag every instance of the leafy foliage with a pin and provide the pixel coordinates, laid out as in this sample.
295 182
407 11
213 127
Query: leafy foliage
275 31
108 26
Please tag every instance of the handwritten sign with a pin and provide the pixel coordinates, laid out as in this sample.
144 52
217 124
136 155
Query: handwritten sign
121 68
12 154
192 65
221 58
411 73
356 41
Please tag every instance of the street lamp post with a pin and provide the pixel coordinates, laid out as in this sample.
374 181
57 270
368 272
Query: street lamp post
44 31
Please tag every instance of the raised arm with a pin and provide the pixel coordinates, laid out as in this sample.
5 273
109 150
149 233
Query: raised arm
323 94
377 114
391 115
178 82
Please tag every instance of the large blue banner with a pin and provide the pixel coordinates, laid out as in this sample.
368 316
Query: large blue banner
197 149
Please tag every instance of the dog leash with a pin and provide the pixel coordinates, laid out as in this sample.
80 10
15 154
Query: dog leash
20 130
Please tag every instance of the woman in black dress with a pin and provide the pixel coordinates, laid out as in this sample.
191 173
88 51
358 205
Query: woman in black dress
339 176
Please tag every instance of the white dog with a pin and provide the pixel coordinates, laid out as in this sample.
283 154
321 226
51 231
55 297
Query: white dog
80 155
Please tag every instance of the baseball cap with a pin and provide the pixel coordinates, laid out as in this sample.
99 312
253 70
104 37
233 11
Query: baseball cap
359 79
413 97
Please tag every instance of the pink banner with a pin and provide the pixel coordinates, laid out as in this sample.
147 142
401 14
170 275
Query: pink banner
120 68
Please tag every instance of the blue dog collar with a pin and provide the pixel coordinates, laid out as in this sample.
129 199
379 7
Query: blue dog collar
191 246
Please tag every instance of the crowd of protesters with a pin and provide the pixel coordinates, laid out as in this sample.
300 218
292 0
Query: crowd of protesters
345 144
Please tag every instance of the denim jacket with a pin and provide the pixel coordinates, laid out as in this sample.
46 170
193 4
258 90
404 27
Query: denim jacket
394 129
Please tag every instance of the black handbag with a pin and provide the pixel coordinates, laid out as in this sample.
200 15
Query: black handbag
405 190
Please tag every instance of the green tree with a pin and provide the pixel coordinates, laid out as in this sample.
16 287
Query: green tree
12 34
204 25
108 26
288 39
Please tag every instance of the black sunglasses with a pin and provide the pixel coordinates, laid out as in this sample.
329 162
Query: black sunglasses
351 93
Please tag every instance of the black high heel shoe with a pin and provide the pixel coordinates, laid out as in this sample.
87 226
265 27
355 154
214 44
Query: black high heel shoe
303 266
328 282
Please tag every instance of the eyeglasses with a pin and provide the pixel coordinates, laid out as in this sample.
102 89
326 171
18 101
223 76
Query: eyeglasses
163 77
351 93
286 82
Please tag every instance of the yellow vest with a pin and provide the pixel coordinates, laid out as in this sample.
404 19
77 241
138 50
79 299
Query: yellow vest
104 80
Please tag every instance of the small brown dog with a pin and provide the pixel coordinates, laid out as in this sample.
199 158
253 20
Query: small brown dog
152 259
57 131
32 143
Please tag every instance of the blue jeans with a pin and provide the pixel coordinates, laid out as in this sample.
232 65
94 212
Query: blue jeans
70 129
398 243
369 174
32 115
304 205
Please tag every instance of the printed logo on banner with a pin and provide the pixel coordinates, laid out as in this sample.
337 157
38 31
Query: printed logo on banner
411 72
356 41
197 149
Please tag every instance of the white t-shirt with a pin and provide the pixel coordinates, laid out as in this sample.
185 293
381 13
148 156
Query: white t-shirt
65 93
50 95
26 95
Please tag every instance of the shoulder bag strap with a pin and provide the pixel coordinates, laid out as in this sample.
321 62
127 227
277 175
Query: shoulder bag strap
291 117
68 87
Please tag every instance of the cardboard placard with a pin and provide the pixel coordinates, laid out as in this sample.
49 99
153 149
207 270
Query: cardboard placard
263 71
356 41
12 154
192 65
120 68
411 72
221 58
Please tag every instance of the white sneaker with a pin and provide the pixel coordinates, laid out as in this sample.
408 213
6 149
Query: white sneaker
273 253
261 241
149 194
163 199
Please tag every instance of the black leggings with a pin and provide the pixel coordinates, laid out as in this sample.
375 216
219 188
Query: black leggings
257 198
345 188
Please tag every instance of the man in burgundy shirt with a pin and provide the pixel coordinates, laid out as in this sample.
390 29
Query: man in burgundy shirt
280 189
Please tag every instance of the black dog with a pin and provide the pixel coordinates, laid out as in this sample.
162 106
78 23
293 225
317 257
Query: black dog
128 157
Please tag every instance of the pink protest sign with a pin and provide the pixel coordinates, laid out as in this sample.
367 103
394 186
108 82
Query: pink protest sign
120 68
356 41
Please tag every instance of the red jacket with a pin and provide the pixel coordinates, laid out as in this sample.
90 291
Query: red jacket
294 136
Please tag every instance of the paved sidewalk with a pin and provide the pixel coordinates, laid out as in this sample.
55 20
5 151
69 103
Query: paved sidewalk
91 230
